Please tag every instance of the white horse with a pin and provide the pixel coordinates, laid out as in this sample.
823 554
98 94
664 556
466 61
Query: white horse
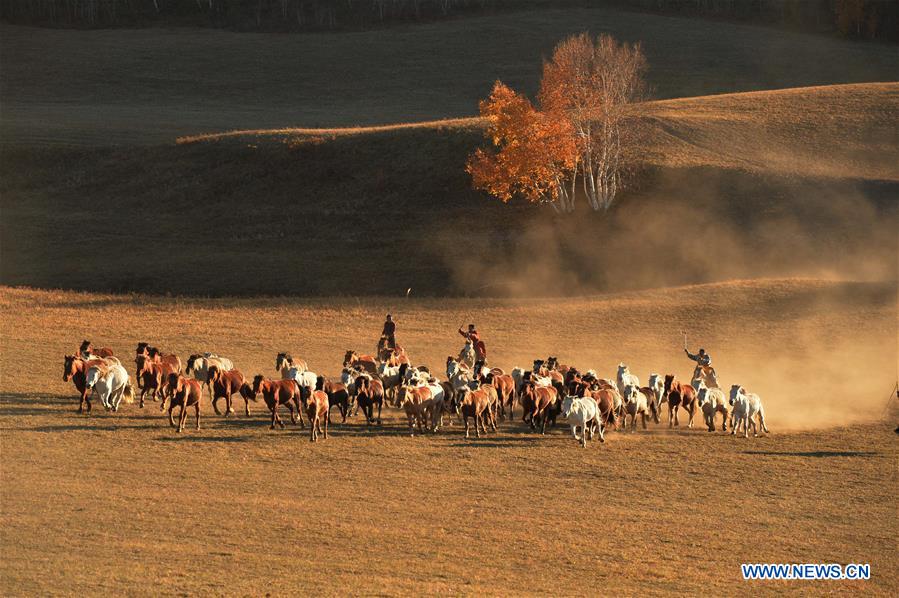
625 378
712 401
746 407
635 403
466 355
458 376
306 380
657 385
583 414
111 382
198 365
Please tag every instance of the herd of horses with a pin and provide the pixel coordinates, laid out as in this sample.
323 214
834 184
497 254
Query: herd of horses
543 392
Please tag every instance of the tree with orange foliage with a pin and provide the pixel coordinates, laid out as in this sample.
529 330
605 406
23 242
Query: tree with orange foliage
535 154
587 125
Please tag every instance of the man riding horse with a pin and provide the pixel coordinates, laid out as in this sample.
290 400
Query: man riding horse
387 344
480 349
704 368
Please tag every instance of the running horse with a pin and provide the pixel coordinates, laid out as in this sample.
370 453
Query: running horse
360 362
87 351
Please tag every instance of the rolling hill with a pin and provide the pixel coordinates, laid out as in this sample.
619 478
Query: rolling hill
147 86
799 181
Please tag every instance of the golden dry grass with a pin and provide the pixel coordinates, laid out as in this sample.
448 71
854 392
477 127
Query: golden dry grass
121 504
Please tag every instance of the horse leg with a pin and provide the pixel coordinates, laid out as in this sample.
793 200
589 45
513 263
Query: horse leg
643 416
692 411
326 429
182 416
312 422
197 410
380 404
274 414
215 404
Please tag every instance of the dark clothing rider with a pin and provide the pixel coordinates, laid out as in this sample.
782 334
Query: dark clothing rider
389 331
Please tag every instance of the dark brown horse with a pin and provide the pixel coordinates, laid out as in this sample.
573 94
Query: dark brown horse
152 375
338 395
678 395
184 392
223 386
279 392
369 392
317 409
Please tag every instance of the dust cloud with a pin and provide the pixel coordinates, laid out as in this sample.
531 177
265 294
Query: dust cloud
690 226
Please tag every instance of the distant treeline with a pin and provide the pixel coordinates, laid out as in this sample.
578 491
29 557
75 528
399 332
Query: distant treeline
861 19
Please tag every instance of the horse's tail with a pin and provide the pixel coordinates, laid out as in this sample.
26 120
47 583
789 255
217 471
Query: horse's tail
128 395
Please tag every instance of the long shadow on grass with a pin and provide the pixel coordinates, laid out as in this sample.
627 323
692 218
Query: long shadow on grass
813 453
195 436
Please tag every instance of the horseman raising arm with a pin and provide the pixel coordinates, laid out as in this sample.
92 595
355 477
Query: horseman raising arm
702 358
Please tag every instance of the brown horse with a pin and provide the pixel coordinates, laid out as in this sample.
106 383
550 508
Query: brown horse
369 392
225 384
605 402
317 409
76 368
279 392
361 362
475 404
543 402
184 392
337 395
156 355
152 375
415 400
505 390
678 395
87 351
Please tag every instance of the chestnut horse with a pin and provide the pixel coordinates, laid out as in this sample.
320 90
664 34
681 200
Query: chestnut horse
155 354
678 395
279 392
475 404
87 351
605 402
185 392
317 409
361 362
224 384
542 402
152 375
505 390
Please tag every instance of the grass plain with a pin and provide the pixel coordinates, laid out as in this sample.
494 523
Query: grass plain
119 503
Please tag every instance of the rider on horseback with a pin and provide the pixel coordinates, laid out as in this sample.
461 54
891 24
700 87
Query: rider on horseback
704 367
480 349
389 332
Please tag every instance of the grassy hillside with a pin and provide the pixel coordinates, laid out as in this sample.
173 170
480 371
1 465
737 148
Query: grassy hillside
148 86
100 501
734 186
